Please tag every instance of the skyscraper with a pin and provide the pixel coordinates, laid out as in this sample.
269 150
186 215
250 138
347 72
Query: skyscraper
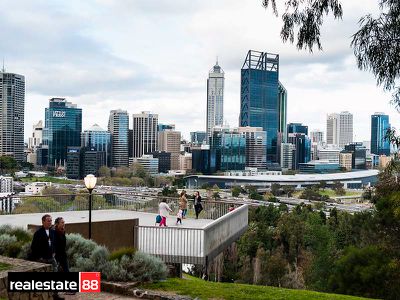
339 129
170 141
317 136
34 142
118 126
379 125
297 128
256 150
215 98
302 145
144 133
12 104
63 126
263 98
98 139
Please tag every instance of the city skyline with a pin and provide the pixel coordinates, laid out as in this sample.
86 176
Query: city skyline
100 68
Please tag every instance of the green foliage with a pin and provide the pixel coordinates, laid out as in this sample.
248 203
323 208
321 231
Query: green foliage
312 193
170 192
288 190
38 204
86 255
104 171
216 196
255 196
117 254
13 240
276 189
364 272
7 164
236 191
337 187
201 289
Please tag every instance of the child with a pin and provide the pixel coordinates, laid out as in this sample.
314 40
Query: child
179 217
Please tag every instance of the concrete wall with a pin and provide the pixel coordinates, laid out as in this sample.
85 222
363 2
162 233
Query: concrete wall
225 230
113 234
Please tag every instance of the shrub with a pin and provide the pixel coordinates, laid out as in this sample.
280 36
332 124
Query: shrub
117 254
5 241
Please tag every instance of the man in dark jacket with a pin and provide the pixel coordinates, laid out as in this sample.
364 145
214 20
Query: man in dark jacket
43 248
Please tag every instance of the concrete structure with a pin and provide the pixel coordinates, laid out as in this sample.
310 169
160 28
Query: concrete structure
6 184
34 142
251 172
36 187
215 98
345 160
256 146
339 129
356 179
164 161
287 155
317 136
12 104
149 163
144 133
170 141
330 154
118 126
185 161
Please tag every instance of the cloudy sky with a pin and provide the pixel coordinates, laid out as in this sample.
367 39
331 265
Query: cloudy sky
155 56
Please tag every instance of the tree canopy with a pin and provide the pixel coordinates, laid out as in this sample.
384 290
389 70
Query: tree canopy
376 44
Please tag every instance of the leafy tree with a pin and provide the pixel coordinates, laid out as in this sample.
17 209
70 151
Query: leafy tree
138 170
216 196
288 190
322 185
337 187
7 164
104 171
276 189
362 272
376 44
27 165
236 191
123 172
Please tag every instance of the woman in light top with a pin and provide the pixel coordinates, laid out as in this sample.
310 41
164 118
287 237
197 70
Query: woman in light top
164 211
183 203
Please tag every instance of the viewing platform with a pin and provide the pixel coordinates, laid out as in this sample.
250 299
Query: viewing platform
196 241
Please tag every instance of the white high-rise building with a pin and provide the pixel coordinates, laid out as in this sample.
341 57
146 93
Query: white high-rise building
118 126
144 133
317 136
170 141
256 146
12 104
34 142
287 150
339 129
215 98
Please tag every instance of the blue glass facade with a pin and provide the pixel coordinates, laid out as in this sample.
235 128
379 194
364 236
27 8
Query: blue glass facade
303 148
260 103
297 128
379 125
63 126
230 150
98 139
204 160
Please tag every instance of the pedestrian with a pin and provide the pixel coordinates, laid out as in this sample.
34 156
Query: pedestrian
61 245
163 211
197 204
179 217
231 208
183 204
43 246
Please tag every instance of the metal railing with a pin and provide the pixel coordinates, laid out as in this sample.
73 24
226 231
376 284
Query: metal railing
77 202
172 244
192 245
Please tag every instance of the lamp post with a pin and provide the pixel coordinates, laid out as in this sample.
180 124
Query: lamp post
90 183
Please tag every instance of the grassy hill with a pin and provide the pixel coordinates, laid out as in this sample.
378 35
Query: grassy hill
196 287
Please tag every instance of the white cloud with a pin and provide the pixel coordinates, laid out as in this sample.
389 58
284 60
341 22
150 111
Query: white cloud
155 55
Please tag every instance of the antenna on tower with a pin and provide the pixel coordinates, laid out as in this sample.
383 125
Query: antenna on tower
3 69
217 60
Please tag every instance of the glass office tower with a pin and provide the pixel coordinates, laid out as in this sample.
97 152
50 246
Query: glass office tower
263 98
379 125
98 139
230 148
63 126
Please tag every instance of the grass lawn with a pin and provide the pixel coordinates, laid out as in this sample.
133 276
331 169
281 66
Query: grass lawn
4 267
331 193
196 287
47 179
